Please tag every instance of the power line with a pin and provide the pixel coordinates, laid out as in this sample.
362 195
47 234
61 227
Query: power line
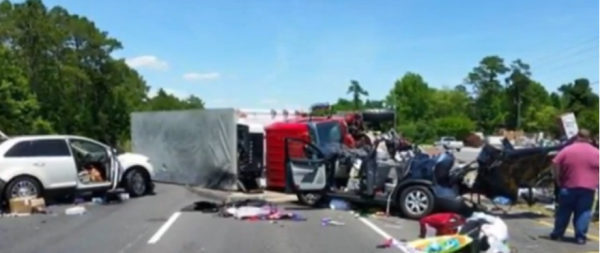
567 49
570 56
565 54
571 64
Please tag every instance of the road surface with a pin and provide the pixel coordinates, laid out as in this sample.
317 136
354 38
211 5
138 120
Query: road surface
156 224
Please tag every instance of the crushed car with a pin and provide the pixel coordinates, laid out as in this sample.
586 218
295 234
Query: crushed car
416 184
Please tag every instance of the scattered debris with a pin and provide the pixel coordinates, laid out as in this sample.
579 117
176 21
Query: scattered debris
98 200
20 207
251 210
76 210
388 244
340 205
328 222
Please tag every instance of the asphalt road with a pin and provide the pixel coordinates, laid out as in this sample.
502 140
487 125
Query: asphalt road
156 224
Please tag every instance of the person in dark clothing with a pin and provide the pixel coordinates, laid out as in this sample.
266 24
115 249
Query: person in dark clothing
576 174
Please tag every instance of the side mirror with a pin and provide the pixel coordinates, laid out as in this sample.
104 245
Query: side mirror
116 151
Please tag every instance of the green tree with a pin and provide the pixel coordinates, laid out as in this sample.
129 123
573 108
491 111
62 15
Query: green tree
579 98
489 99
59 70
19 109
458 126
357 91
517 83
412 98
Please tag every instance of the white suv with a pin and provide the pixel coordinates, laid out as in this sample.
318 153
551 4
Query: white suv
40 165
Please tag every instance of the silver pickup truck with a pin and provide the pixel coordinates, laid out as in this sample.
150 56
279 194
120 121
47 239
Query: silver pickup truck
450 143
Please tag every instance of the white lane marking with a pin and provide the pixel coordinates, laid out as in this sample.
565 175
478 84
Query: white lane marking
377 230
163 229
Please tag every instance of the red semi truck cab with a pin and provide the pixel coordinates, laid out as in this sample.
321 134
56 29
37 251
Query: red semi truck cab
315 130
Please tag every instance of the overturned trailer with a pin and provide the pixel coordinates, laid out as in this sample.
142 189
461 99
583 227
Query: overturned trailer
192 147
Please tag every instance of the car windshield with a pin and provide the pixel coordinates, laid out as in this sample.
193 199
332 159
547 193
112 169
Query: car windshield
329 132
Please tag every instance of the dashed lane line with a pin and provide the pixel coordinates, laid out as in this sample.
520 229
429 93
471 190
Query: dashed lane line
163 229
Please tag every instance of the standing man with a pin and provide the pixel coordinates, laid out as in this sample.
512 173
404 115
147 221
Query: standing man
576 172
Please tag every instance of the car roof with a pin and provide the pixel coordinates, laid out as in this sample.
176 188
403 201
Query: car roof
42 137
10 141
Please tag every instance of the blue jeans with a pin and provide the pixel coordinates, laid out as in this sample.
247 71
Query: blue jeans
577 202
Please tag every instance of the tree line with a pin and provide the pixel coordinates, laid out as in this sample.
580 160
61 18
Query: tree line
496 94
57 75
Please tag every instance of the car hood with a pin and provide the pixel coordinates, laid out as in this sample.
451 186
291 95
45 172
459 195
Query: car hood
131 157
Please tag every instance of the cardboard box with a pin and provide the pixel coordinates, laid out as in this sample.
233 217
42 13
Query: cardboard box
27 205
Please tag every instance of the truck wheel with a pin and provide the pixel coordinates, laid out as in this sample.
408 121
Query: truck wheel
310 199
416 202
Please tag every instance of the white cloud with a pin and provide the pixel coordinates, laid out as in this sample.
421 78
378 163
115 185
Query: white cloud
269 101
147 62
201 76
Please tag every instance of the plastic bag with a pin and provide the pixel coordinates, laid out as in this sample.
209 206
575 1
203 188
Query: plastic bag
497 246
336 204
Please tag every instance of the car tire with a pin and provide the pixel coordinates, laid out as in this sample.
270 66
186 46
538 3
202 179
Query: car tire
311 199
19 182
416 202
137 182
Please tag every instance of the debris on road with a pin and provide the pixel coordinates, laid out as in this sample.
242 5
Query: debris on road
20 207
250 209
328 222
340 205
76 210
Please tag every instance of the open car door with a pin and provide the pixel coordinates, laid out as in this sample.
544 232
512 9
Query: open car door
116 169
306 167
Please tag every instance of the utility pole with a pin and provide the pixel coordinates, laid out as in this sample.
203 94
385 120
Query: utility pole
518 102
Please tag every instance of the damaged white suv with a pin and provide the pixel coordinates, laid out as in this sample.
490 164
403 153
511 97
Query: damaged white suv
41 166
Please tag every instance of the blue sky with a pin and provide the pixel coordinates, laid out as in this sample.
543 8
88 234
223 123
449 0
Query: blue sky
292 53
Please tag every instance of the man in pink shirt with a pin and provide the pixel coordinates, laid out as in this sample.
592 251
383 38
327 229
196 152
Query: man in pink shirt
576 173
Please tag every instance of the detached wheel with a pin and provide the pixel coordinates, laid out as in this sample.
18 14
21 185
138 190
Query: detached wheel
416 202
137 182
310 199
23 187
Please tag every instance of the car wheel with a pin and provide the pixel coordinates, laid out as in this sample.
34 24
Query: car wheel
137 182
310 199
416 202
23 187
